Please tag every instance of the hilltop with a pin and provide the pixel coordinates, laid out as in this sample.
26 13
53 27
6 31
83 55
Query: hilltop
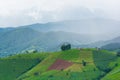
79 64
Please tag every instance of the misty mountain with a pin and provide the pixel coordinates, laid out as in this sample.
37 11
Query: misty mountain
84 26
112 44
6 29
21 39
16 40
50 36
96 28
3 30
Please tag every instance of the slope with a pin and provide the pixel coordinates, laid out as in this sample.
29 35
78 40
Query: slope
16 40
115 73
13 66
112 46
93 69
22 39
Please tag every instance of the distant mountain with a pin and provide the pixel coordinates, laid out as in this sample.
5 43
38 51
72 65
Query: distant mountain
96 28
16 40
5 29
111 46
21 39
115 40
49 36
84 26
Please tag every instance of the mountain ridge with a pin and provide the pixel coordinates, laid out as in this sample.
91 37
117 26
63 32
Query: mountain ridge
49 36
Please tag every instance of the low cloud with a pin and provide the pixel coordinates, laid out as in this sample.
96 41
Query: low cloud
21 12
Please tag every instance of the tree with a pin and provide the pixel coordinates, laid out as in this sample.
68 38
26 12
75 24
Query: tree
83 63
35 51
118 53
65 46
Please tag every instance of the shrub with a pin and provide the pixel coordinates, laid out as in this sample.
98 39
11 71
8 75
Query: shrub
66 46
84 63
118 53
107 70
50 76
36 73
116 64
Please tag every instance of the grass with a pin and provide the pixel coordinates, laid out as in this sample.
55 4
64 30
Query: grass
115 73
35 66
14 66
75 56
103 58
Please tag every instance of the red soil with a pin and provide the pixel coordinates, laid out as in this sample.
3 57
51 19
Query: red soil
60 65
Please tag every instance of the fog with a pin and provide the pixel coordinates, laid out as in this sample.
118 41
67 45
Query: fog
21 12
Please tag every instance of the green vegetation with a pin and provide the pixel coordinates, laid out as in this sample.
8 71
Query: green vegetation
66 46
14 66
118 53
23 39
88 64
103 59
115 73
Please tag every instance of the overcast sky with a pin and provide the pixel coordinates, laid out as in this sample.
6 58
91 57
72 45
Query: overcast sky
22 12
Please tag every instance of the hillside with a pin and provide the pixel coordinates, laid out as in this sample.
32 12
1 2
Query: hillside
115 73
98 64
79 64
16 40
14 66
6 29
48 37
111 46
22 39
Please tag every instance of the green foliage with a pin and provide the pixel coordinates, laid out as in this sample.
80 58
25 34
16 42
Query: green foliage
89 64
25 38
14 66
77 71
65 47
83 63
69 55
118 53
114 74
103 59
